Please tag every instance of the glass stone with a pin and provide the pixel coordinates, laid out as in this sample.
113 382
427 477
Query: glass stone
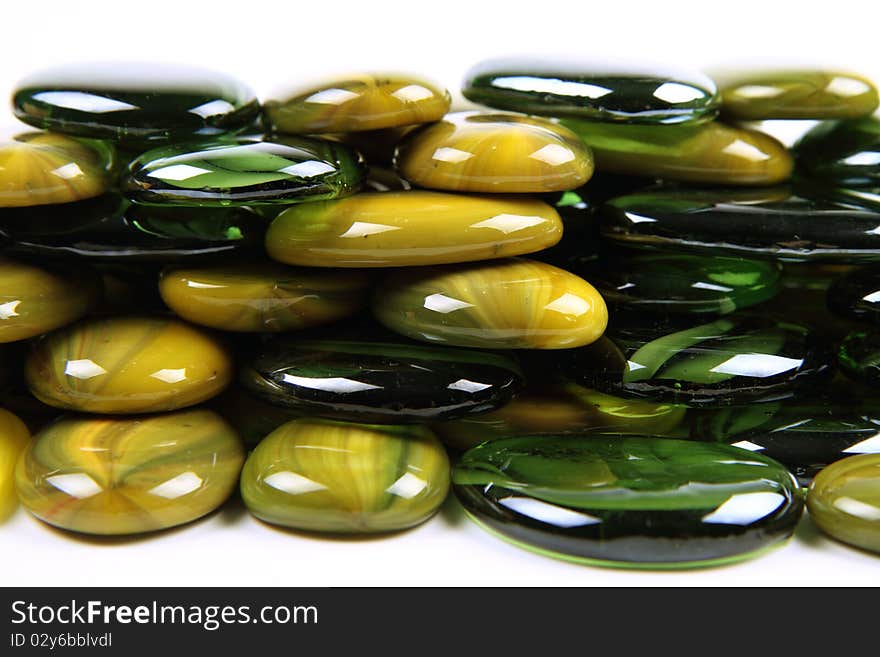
245 171
36 299
844 501
262 297
364 102
14 437
859 356
710 153
341 478
379 382
629 501
590 89
135 104
857 295
390 229
733 359
116 476
846 152
774 223
127 365
41 168
494 152
796 94
505 304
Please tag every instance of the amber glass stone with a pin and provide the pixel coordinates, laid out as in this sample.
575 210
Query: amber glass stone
14 436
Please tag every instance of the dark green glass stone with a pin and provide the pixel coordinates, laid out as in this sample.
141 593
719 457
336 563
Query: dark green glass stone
378 382
592 90
859 356
846 152
629 501
245 171
134 104
857 295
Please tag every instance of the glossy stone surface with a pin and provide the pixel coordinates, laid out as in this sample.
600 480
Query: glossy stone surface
796 94
859 356
334 477
384 383
36 299
245 171
689 284
110 229
857 295
262 297
494 152
844 501
711 153
390 229
509 304
774 223
735 358
629 501
98 475
592 89
364 102
38 168
847 152
134 104
14 436
127 365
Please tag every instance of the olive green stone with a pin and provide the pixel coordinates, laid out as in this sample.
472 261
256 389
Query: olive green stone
845 152
859 356
844 501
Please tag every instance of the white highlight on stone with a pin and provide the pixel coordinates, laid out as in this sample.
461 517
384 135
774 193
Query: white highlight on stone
183 484
83 369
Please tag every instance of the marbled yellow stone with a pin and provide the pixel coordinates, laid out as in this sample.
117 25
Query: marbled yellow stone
390 229
99 475
494 152
14 437
127 365
844 501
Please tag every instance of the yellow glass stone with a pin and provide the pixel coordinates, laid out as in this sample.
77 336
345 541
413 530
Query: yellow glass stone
127 365
14 436
34 300
391 229
99 475
362 102
494 152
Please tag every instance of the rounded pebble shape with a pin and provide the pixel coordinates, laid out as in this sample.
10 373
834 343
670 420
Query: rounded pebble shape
262 297
42 168
393 229
134 104
379 382
857 295
509 304
844 501
846 152
494 152
14 437
127 365
859 356
710 153
36 299
590 89
629 501
342 478
245 171
362 102
796 94
116 476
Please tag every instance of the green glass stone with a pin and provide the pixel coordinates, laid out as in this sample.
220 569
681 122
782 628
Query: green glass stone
629 501
592 90
859 356
245 171
844 501
845 152
136 105
857 295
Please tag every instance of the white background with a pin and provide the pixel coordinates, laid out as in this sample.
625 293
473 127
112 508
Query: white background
268 43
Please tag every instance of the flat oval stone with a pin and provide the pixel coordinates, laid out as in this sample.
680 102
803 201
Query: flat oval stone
509 304
776 223
245 171
796 95
592 89
629 501
390 229
844 501
846 152
859 356
363 102
379 382
37 299
42 168
127 365
323 476
735 358
494 152
14 437
711 153
135 104
98 475
262 297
